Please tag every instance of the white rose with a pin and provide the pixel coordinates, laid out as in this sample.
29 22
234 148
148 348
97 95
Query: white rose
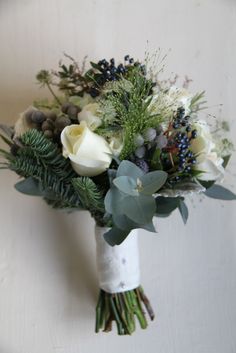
23 124
208 160
89 153
89 113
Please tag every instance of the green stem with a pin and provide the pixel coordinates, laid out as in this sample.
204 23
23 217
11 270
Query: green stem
122 308
53 94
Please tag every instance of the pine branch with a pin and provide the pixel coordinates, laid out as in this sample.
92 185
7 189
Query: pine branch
91 198
62 190
38 147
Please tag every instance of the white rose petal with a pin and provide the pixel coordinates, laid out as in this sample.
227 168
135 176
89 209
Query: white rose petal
89 153
207 159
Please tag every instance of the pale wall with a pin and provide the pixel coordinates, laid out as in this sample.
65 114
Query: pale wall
47 268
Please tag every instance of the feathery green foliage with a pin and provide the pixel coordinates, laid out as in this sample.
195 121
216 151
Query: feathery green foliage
90 197
131 109
61 192
38 147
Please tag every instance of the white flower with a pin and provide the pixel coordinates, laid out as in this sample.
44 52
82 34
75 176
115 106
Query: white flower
89 153
23 123
116 144
89 113
172 99
208 160
82 101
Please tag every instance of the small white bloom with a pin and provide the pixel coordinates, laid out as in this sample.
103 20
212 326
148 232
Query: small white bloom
208 160
89 114
82 101
172 99
89 153
116 144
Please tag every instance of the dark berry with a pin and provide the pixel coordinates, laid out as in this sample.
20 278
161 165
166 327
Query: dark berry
188 128
187 169
194 134
126 57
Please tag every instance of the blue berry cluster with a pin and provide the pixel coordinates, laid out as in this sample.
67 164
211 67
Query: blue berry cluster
108 71
179 147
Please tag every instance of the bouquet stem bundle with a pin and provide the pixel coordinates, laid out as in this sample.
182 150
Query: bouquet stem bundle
122 308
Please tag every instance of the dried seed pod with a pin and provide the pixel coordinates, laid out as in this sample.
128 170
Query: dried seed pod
38 117
48 134
51 115
139 140
140 152
64 107
28 116
150 134
73 111
61 122
48 125
161 141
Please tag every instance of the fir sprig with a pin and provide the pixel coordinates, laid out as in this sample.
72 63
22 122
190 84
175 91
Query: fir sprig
131 108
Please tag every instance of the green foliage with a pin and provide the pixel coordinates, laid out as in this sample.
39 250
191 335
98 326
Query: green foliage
60 192
45 152
183 209
46 171
90 197
219 192
130 200
131 107
166 205
197 102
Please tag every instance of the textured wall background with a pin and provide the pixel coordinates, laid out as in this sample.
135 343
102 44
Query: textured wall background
47 269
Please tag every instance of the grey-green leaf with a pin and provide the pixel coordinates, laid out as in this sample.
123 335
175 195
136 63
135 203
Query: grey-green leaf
115 236
126 184
124 223
153 181
166 205
183 209
129 169
220 192
114 200
29 186
139 209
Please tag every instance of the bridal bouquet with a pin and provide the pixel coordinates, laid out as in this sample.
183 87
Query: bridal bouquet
117 142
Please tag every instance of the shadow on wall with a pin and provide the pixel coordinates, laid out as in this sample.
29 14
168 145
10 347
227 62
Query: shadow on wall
73 243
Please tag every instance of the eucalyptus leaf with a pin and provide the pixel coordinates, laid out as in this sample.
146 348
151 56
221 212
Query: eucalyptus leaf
206 184
226 160
153 181
114 200
166 205
125 223
127 185
115 236
183 209
220 192
29 186
139 209
128 168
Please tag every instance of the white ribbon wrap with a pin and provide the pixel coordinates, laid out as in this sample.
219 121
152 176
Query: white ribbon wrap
118 266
